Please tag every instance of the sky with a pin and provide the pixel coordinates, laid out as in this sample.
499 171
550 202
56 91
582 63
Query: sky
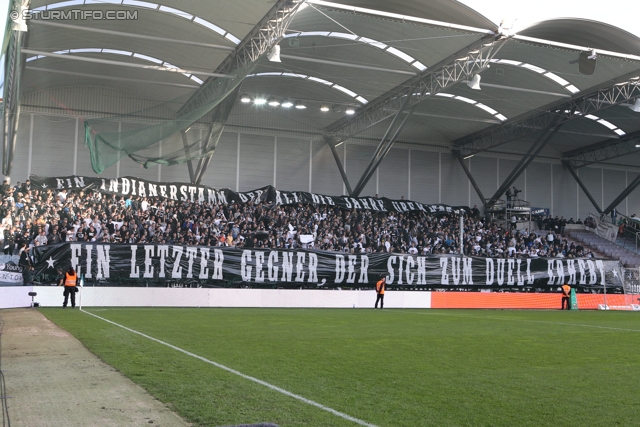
620 13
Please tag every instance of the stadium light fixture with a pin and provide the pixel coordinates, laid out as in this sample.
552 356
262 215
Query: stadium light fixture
337 108
324 108
299 105
350 111
475 82
245 98
273 102
286 103
636 106
259 100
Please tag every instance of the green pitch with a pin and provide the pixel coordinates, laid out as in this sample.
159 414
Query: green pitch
382 368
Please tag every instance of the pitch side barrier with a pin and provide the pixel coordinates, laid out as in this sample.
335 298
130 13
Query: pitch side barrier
203 266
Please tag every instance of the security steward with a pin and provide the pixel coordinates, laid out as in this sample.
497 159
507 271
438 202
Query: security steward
566 296
69 281
380 286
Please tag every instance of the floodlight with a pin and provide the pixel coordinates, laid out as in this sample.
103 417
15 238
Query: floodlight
273 54
287 103
324 108
299 105
273 102
350 111
337 108
245 98
259 100
475 82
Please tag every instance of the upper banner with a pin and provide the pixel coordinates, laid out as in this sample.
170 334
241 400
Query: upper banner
204 266
128 186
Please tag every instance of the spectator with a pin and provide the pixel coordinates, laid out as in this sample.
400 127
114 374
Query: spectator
112 219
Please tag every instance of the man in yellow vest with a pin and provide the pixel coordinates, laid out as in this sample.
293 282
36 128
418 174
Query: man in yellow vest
566 296
69 281
380 291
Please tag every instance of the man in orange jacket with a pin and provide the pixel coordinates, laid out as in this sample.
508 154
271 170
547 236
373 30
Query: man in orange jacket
380 291
566 296
69 282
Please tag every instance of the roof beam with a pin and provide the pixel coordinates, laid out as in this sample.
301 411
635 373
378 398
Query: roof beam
458 67
39 22
595 100
602 151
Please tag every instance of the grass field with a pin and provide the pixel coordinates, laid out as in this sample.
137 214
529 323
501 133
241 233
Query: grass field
383 368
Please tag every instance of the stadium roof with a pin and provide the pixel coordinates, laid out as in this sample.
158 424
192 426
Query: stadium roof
563 88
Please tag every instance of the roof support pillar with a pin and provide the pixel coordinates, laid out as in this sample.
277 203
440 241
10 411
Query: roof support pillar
383 146
377 160
622 195
471 179
332 146
596 99
533 152
11 99
203 163
460 66
581 184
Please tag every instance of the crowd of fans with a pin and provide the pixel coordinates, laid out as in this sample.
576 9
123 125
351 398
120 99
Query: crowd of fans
34 217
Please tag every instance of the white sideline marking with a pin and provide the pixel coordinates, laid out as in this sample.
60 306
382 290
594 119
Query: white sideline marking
247 377
530 320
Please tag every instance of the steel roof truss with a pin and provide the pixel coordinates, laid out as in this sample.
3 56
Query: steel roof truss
266 34
456 68
577 108
602 151
203 163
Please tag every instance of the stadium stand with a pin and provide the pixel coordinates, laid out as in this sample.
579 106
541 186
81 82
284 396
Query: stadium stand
36 218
